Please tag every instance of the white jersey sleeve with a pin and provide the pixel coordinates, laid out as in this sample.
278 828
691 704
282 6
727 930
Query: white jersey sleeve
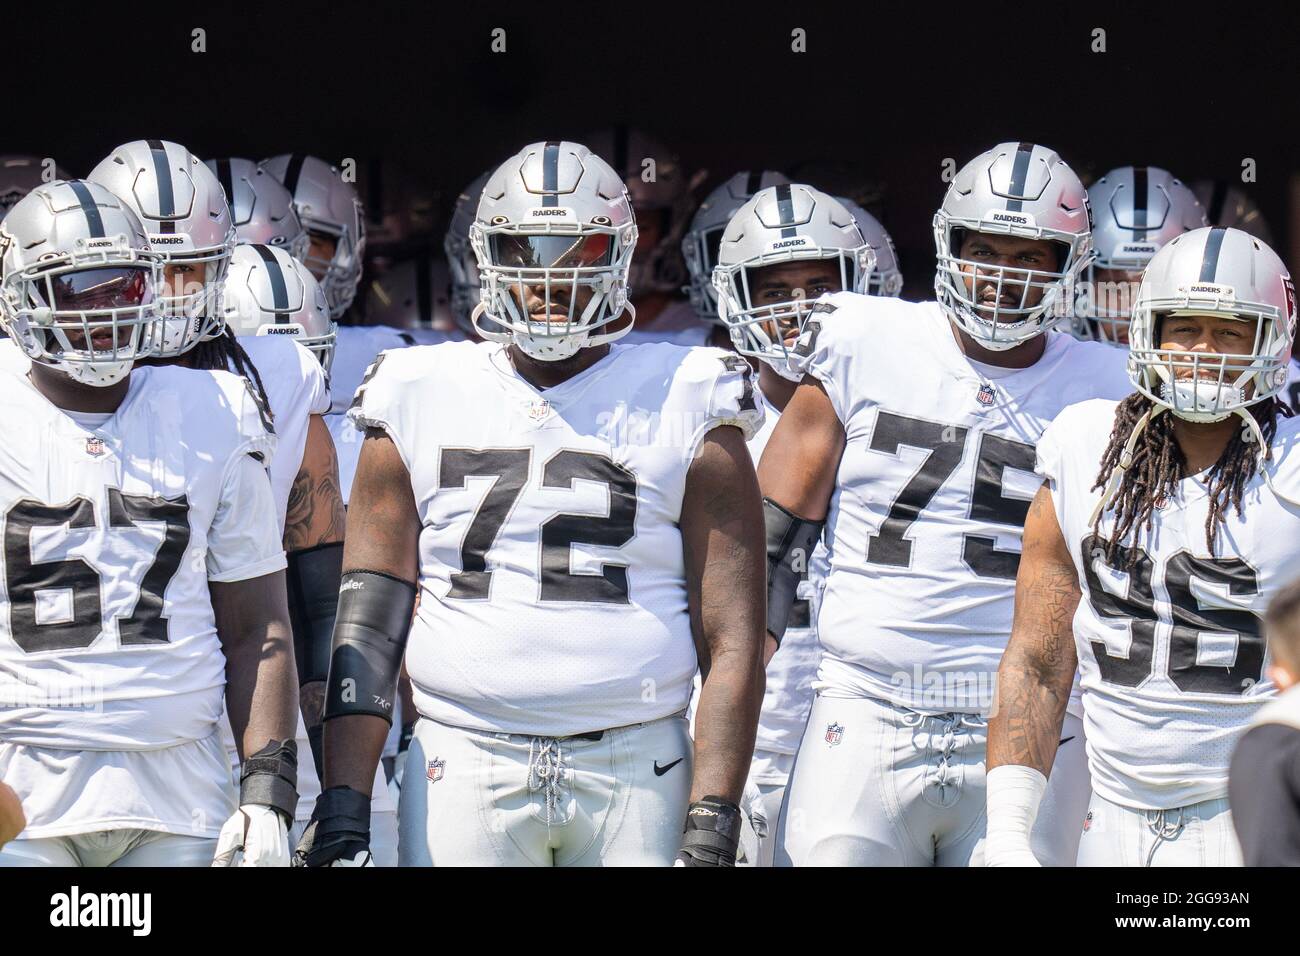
1169 635
727 384
296 389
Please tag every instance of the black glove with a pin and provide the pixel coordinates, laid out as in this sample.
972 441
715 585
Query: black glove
339 831
712 833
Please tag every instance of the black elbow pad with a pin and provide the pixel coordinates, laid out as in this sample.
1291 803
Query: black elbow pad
313 577
374 619
790 543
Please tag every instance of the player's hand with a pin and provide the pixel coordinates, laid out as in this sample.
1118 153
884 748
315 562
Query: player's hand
339 831
254 836
753 825
712 833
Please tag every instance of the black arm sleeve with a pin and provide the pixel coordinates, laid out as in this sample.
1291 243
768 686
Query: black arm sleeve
313 577
370 631
790 543
1264 793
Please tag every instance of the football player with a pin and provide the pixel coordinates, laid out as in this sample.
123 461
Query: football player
142 565
915 426
465 291
1137 209
784 248
700 244
260 207
585 504
184 211
332 214
663 197
269 293
1164 524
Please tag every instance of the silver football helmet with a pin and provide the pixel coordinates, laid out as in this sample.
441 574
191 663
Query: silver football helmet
330 209
1229 205
261 207
554 225
780 224
1136 210
183 209
700 244
1215 271
1016 189
268 292
886 279
465 290
19 175
77 292
662 194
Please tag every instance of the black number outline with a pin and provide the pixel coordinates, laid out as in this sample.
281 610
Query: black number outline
988 503
510 468
560 532
146 619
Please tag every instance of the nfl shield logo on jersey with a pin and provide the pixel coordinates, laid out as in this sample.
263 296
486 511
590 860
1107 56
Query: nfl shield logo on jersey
94 447
834 734
539 409
985 395
434 772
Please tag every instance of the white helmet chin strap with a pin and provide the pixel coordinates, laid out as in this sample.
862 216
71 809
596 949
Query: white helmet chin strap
99 376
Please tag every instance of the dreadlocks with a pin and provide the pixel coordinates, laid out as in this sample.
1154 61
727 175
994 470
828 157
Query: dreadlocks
223 351
1159 465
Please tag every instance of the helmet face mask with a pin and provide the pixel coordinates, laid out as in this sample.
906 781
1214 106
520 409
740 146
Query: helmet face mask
553 237
1245 283
780 226
78 291
1024 191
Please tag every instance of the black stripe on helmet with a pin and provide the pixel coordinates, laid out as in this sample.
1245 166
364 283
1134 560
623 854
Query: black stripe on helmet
292 172
1210 260
1019 173
753 181
227 181
1140 201
279 289
163 174
551 174
785 210
94 221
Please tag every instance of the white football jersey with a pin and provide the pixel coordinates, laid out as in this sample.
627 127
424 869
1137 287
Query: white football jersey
355 350
790 674
295 390
1171 652
111 535
552 581
925 523
677 324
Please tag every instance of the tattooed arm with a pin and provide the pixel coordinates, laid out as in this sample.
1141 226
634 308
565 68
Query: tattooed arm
1037 668
722 538
315 514
313 536
1033 687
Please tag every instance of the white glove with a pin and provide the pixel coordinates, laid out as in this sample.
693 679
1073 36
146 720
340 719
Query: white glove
1012 793
254 836
753 824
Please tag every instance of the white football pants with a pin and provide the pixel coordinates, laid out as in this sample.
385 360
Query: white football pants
875 784
111 848
475 798
1200 834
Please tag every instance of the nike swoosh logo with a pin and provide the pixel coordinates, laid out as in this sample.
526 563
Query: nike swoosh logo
1065 740
660 771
